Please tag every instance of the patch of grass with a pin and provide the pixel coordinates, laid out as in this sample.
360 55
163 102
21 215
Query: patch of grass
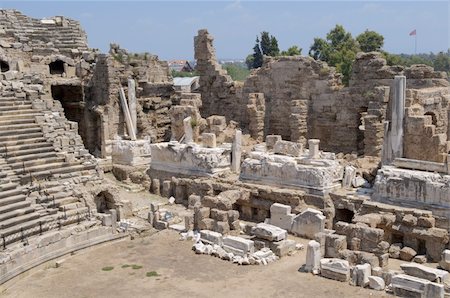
152 274
126 266
107 268
136 266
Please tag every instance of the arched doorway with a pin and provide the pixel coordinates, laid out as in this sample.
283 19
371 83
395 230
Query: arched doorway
4 66
104 201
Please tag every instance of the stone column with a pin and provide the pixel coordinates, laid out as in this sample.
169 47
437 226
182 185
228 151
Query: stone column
398 112
188 133
132 103
313 256
393 140
236 152
126 113
314 148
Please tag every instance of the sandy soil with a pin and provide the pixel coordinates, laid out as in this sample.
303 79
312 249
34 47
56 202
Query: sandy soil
181 273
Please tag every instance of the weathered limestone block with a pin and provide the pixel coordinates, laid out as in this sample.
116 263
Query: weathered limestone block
238 246
313 256
209 140
334 244
211 237
316 176
271 140
224 200
269 232
445 260
377 283
308 223
194 201
425 272
219 215
287 148
283 248
221 227
188 132
177 158
407 253
410 286
412 188
313 146
360 275
370 237
281 216
131 153
349 175
336 269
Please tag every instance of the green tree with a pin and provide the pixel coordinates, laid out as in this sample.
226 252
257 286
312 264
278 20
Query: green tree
320 49
292 51
442 62
266 43
338 49
370 41
274 49
249 61
257 55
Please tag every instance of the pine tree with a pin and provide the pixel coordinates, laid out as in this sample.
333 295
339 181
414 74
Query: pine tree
257 54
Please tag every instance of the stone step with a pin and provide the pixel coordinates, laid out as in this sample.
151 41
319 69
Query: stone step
19 126
39 165
66 201
16 108
56 169
8 186
27 111
14 103
30 120
54 196
19 151
36 158
28 116
11 192
29 226
12 199
32 140
71 206
5 139
17 220
46 190
17 132
15 213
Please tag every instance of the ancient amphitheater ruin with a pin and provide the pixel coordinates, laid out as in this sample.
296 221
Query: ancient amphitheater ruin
362 172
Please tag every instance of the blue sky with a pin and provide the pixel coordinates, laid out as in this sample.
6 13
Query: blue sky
167 28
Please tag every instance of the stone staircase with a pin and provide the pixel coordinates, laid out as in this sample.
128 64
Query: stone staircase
38 183
37 34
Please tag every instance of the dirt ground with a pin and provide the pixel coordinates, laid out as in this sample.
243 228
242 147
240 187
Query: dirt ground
180 273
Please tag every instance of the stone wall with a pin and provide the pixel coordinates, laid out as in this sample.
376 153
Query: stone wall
219 91
305 99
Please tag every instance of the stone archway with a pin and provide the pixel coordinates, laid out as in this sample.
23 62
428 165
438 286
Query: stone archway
105 201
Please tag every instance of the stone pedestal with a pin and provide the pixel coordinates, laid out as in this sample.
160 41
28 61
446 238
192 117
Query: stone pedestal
314 148
313 256
188 133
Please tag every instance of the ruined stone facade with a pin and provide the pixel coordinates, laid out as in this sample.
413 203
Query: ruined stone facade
305 99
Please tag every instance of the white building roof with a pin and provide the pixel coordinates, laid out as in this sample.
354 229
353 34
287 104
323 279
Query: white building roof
188 81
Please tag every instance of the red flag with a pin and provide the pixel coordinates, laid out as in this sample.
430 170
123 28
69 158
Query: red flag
414 32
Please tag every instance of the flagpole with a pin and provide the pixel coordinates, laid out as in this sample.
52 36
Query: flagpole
415 43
